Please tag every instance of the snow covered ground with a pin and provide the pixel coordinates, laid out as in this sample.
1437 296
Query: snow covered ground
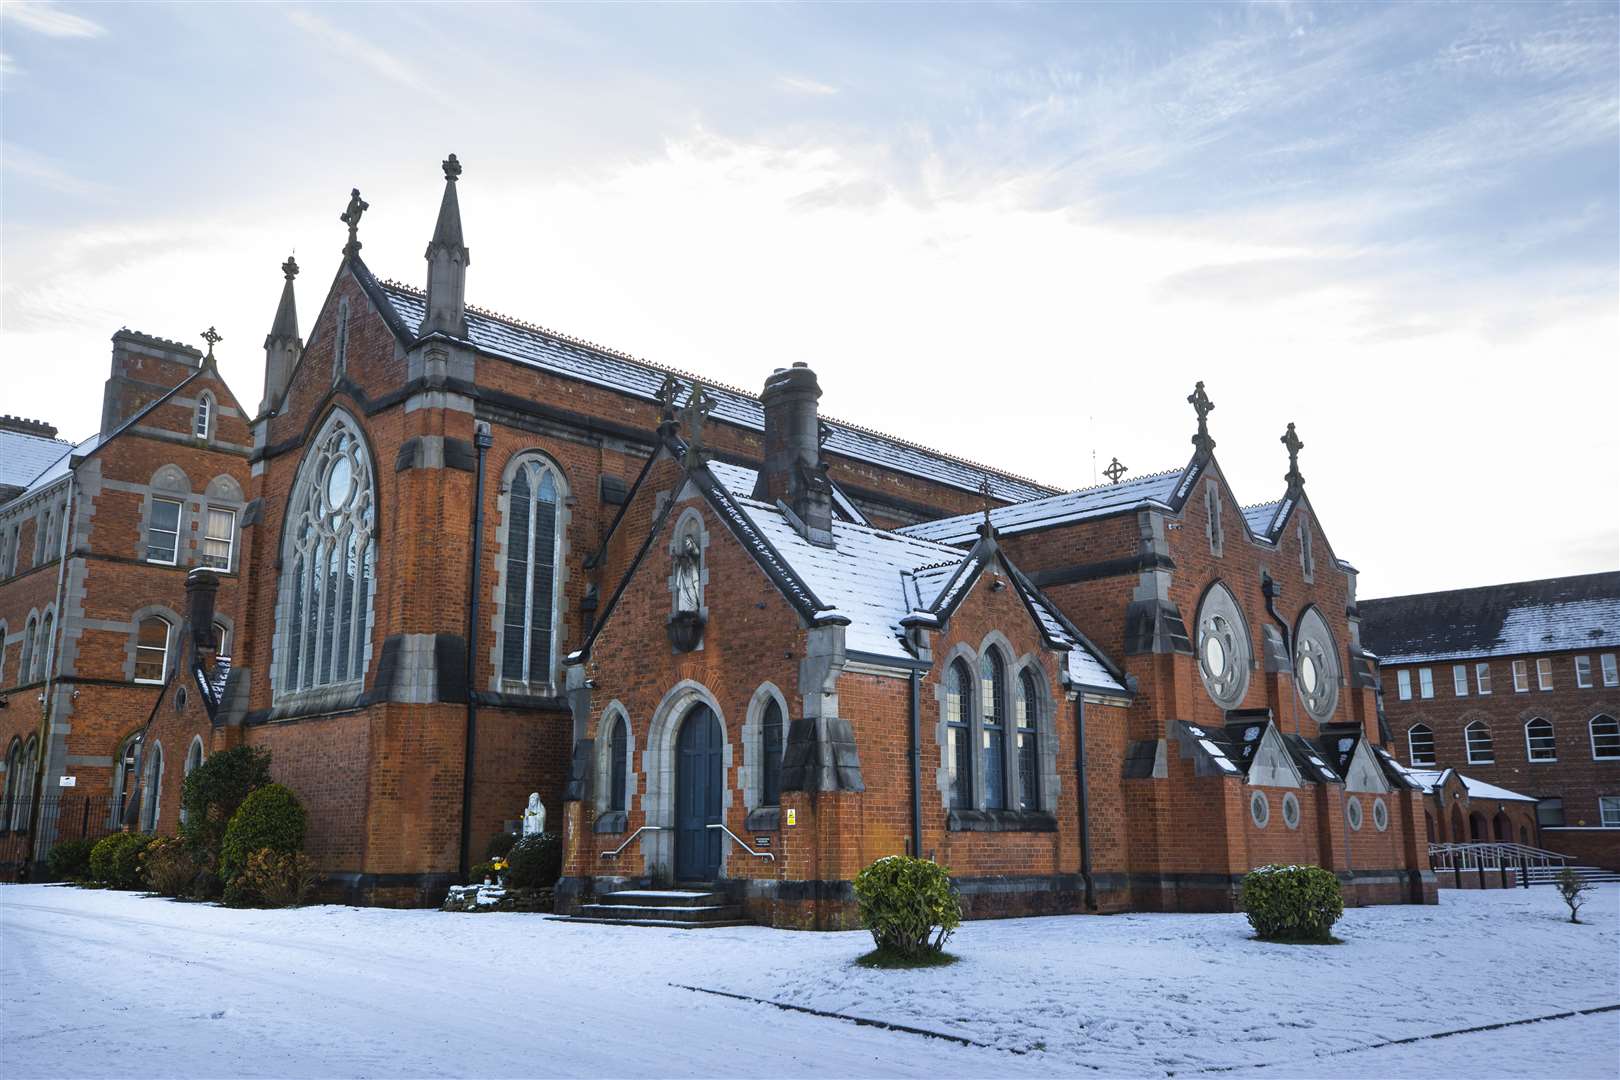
113 984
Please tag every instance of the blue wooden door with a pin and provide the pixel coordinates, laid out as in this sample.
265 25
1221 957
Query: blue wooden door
699 768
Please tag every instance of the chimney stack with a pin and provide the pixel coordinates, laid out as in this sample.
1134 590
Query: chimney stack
282 346
447 259
202 585
143 368
794 473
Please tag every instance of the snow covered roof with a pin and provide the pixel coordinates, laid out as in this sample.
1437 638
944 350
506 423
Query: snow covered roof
24 455
63 464
1430 779
569 357
1262 516
1157 489
1551 615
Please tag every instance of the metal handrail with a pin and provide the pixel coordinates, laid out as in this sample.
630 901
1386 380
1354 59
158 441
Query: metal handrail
745 847
614 854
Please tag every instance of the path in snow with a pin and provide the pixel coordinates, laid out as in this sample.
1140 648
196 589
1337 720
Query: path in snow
112 984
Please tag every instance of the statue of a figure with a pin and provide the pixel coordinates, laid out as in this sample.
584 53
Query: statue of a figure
688 575
534 816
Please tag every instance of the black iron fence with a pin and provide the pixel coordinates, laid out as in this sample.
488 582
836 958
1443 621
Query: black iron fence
28 833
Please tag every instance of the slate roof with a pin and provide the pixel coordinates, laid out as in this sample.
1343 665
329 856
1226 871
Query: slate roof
1524 617
24 456
1262 516
1155 489
1429 779
537 347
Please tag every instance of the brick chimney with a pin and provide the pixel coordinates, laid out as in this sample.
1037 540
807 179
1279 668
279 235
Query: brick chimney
144 368
794 473
202 585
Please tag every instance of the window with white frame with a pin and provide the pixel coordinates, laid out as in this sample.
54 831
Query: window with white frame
202 422
1403 684
222 639
1539 743
1459 679
1550 813
1420 744
1609 811
1521 676
152 649
1611 670
1544 673
163 532
959 685
1605 734
1029 758
1477 738
1482 678
533 546
993 727
1583 672
1426 682
219 539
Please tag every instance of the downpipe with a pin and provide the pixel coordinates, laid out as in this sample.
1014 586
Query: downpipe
1082 798
914 751
482 440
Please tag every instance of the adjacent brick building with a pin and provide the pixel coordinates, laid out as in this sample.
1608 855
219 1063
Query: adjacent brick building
1517 686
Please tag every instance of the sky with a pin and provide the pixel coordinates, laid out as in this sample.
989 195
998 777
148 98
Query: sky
1017 233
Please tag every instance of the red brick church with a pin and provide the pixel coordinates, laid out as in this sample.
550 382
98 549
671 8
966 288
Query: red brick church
731 640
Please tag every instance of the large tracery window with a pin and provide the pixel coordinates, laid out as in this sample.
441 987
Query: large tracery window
533 543
328 563
1223 647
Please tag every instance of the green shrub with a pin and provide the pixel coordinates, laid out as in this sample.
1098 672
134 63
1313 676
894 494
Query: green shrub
500 845
69 860
908 905
116 859
169 866
273 878
1295 903
535 862
214 790
270 817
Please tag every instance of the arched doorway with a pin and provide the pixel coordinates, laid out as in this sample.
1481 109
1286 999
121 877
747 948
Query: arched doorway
1457 834
1524 836
1434 828
1478 831
699 771
1502 827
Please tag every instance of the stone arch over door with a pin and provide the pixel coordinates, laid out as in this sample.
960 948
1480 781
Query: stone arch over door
658 765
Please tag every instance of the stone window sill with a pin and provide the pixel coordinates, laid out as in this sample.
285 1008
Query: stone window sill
1000 821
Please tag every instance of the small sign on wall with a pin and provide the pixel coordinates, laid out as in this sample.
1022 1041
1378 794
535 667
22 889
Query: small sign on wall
67 781
792 816
762 841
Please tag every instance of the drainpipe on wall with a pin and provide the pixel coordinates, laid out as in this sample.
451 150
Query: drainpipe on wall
483 440
914 752
1081 794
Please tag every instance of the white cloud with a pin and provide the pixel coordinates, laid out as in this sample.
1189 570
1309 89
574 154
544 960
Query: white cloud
50 20
806 86
359 49
25 163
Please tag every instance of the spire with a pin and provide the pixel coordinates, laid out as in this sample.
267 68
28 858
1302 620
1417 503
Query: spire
447 259
1203 407
1292 441
282 346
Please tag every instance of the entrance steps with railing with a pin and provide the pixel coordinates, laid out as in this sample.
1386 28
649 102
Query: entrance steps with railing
679 909
1513 864
1591 875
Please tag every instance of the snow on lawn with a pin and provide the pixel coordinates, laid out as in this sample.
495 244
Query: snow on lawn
113 984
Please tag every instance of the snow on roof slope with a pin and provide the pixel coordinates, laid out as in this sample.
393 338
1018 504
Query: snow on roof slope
1260 516
1156 488
1427 779
23 456
574 359
63 464
1581 612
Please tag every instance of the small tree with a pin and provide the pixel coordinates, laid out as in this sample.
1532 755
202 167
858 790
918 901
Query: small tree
213 791
1572 890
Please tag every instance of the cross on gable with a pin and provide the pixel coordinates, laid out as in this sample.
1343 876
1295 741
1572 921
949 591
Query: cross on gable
1114 471
1292 441
213 337
1203 407
351 218
668 391
985 497
693 416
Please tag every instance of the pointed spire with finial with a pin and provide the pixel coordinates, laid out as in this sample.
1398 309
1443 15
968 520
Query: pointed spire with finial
282 346
447 258
1295 478
1203 407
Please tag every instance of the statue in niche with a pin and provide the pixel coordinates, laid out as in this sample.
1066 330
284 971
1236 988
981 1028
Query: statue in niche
534 816
688 575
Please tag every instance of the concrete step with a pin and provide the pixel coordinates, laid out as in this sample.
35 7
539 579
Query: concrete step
697 913
661 898
668 924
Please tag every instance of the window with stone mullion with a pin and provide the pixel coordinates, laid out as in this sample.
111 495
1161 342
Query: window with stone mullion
993 728
959 735
531 572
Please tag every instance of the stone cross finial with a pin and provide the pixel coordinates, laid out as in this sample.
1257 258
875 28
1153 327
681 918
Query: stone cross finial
1203 407
696 413
1292 441
985 499
1115 470
290 268
668 391
213 337
452 168
351 218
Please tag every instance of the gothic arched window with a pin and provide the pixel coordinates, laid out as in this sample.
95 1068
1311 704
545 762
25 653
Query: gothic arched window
993 727
1420 744
1029 758
202 422
25 661
959 734
125 784
152 790
340 342
1477 740
771 766
1539 741
328 563
13 782
1605 733
42 648
533 550
152 649
618 763
22 791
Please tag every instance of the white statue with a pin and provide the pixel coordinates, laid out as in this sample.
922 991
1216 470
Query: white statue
688 575
534 816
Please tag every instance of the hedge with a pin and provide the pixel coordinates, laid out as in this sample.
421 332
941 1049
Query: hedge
1299 903
116 860
908 905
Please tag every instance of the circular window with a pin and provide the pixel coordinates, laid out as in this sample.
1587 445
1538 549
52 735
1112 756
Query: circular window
1380 814
1291 810
1316 666
337 484
1259 808
1223 648
1352 813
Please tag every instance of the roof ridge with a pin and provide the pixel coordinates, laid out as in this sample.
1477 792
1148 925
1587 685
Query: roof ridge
1496 585
524 324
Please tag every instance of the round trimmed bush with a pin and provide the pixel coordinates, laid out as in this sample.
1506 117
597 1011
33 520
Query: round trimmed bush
214 790
69 860
270 817
1293 903
908 905
535 862
116 860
